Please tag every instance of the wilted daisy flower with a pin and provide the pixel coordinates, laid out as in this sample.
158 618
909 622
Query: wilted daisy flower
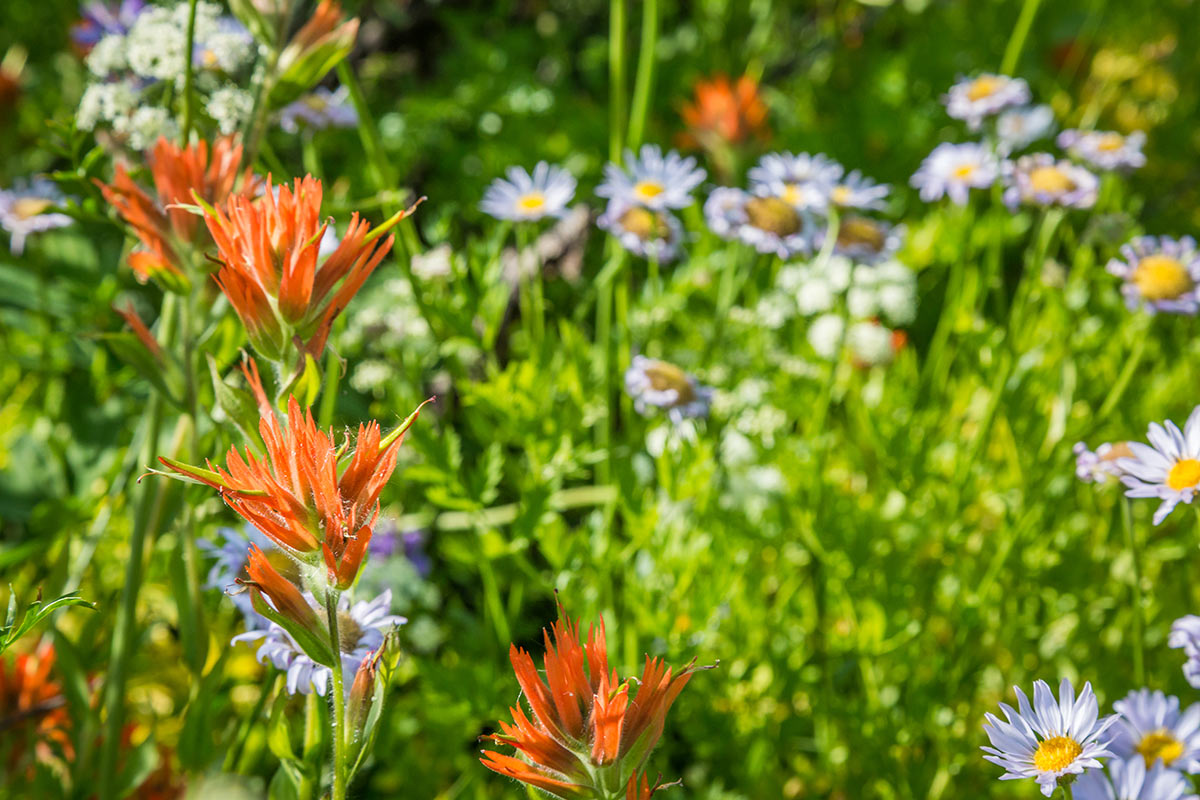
1153 728
361 628
865 239
1018 128
652 180
230 558
524 197
1101 464
973 99
1130 780
1105 149
858 191
953 170
643 231
803 180
24 210
1185 635
1041 179
659 384
1052 741
1160 274
318 110
1169 468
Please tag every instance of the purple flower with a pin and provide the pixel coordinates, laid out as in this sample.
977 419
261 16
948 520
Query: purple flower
318 110
389 541
99 19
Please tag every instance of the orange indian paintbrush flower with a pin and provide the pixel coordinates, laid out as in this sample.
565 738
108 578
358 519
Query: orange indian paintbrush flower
269 251
179 175
587 734
307 495
727 112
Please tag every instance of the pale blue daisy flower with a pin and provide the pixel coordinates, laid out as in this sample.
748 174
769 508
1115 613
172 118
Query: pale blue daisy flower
953 170
974 99
1050 741
1106 150
856 190
24 210
660 384
652 179
361 627
1092 466
1160 274
318 110
1168 468
1185 635
1153 728
1041 179
803 180
1018 128
1130 780
723 211
229 565
525 197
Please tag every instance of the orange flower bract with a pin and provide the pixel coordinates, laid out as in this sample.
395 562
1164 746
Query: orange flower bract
298 495
586 721
730 112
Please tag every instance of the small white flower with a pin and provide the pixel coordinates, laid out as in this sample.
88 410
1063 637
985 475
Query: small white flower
1041 179
108 56
815 295
1018 128
652 180
229 107
1105 149
105 102
434 263
953 170
148 123
825 335
228 48
526 197
973 99
870 343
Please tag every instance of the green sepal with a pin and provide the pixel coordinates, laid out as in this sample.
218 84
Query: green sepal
313 646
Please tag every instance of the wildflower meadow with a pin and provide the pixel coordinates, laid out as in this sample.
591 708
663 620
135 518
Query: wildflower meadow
599 399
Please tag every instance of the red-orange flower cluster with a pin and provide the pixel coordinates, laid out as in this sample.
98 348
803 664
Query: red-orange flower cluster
310 495
269 249
586 728
730 113
31 699
162 229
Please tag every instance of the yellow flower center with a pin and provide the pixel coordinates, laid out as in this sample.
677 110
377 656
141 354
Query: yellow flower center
965 171
315 102
1184 475
209 58
1110 142
534 201
773 215
1056 753
983 87
664 376
1159 744
645 224
792 193
1160 277
1051 180
841 195
648 190
28 207
862 231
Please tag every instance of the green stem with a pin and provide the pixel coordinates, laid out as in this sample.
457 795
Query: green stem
604 304
312 739
1139 676
645 75
616 77
338 698
333 374
191 556
188 99
1016 42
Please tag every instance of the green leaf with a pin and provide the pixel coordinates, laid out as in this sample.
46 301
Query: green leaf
129 348
35 614
254 20
307 70
305 385
238 404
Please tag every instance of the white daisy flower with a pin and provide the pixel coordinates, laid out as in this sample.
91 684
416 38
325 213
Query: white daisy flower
803 180
953 170
825 335
1153 728
24 210
1160 274
1101 464
652 180
1169 468
1052 741
858 191
1130 780
769 224
1018 128
526 197
361 628
643 231
1105 150
973 99
1185 635
659 384
1041 179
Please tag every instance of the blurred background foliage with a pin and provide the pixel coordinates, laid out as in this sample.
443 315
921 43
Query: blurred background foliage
869 588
